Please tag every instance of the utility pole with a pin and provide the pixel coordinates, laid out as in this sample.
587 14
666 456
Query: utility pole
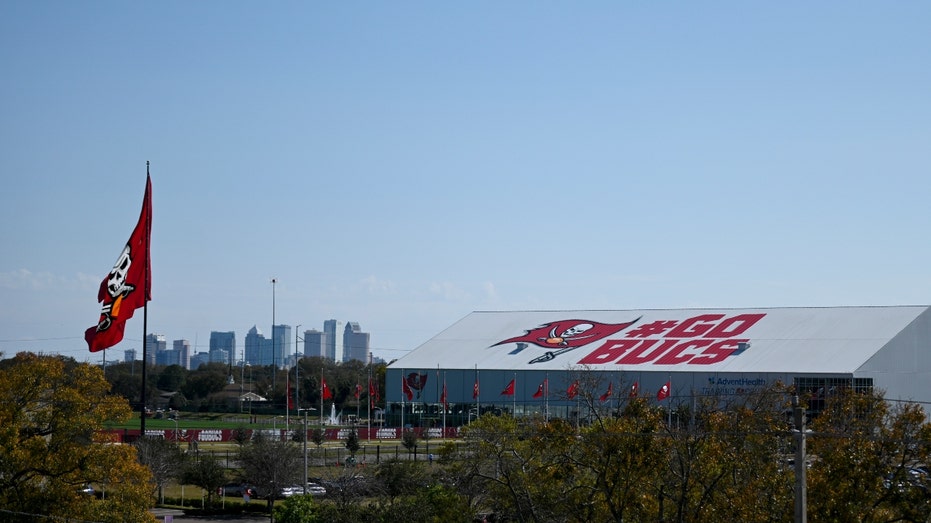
801 493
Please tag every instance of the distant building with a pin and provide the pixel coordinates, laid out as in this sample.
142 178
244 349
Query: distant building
315 343
257 348
183 349
282 349
129 356
201 358
154 343
223 341
334 347
355 343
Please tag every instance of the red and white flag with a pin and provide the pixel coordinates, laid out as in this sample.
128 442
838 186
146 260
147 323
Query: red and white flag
373 393
509 390
664 391
325 391
475 390
129 284
406 389
443 399
540 390
608 393
633 389
573 390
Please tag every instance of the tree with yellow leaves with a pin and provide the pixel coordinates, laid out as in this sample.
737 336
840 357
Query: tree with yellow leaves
51 448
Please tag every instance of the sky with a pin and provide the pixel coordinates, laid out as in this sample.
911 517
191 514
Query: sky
402 164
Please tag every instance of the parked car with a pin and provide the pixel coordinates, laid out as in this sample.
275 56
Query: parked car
316 489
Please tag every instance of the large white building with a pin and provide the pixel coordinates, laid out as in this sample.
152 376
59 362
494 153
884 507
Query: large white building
697 351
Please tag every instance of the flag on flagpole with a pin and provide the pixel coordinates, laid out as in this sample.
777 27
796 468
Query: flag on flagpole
373 393
128 285
509 390
475 390
443 399
607 395
633 389
406 389
358 393
325 391
540 390
664 391
573 390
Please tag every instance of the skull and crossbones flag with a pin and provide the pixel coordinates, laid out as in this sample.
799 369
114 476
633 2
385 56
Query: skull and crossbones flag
128 285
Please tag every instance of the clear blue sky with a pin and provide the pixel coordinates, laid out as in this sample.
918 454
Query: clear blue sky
401 164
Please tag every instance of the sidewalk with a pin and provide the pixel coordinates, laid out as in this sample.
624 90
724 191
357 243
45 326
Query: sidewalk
177 516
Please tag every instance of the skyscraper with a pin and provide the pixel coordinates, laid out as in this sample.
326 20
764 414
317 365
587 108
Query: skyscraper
315 343
183 350
281 340
154 343
225 341
334 347
355 343
258 349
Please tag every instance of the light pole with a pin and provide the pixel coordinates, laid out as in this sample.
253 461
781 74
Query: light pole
274 354
305 449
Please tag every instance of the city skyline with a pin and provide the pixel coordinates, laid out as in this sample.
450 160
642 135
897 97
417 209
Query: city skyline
255 347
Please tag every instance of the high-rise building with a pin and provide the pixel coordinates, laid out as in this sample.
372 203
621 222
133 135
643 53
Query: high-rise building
314 343
183 348
225 341
334 331
355 343
258 349
129 355
281 345
154 343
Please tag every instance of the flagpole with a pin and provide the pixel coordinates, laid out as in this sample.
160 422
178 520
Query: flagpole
321 397
370 397
402 401
445 399
514 398
145 308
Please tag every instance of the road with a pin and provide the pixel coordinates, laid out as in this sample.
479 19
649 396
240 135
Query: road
177 516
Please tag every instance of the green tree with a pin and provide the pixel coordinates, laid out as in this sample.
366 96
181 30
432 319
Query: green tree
352 442
52 410
863 451
205 471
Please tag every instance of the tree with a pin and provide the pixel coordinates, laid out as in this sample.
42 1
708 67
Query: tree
409 440
52 411
163 458
271 465
865 452
205 471
352 442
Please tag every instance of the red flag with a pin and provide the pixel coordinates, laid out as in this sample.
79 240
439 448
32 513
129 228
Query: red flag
664 391
325 391
290 398
373 393
633 389
573 390
607 395
509 390
358 393
406 389
475 390
443 399
129 284
540 390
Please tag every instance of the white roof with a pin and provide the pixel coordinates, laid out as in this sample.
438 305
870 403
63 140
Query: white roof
800 340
